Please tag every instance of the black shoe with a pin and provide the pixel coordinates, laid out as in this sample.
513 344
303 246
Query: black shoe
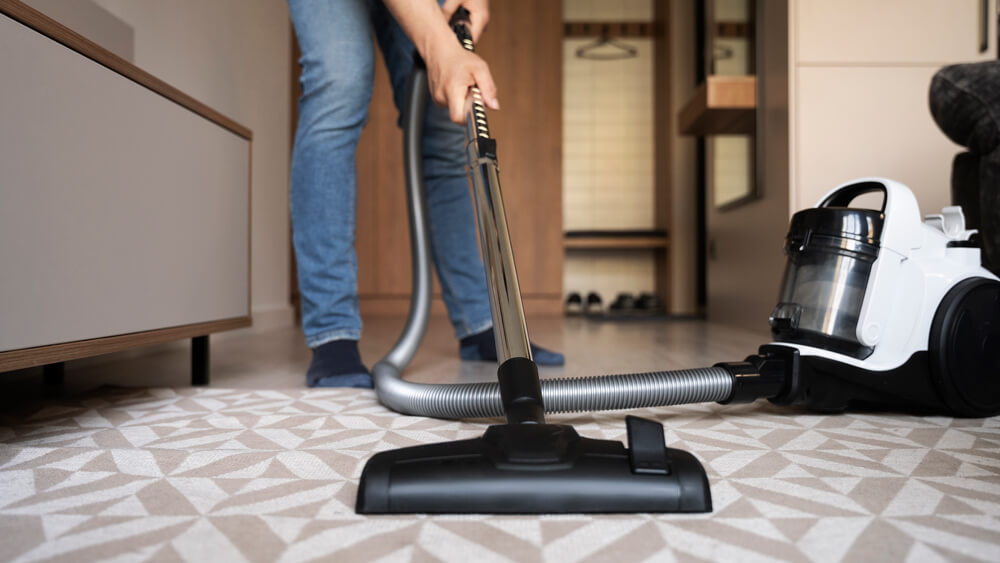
624 303
574 304
594 304
649 303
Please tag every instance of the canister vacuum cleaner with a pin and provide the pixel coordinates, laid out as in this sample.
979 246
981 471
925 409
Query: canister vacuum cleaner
878 309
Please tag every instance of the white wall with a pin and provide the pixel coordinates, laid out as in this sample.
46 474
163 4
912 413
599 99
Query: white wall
233 55
91 21
608 160
870 93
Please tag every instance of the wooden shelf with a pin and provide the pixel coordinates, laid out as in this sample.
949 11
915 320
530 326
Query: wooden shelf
609 29
722 105
597 243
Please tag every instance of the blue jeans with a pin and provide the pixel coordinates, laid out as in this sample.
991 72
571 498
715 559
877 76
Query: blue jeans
338 60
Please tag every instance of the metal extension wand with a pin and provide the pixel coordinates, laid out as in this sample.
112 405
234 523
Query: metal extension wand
520 390
478 400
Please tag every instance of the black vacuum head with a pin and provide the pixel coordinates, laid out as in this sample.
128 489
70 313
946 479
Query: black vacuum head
536 469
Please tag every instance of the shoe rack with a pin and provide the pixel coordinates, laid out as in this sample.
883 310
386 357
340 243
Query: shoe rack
616 149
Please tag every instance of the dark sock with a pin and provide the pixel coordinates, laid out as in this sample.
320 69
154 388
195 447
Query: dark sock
482 343
482 347
338 364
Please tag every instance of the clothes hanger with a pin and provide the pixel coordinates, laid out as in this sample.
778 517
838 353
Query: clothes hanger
722 52
621 50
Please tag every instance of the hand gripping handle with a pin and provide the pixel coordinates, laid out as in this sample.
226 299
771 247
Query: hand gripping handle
460 25
476 110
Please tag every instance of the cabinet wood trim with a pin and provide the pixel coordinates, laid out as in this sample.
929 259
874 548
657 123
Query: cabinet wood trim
41 355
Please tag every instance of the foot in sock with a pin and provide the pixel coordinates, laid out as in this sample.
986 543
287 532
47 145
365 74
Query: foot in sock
482 347
338 364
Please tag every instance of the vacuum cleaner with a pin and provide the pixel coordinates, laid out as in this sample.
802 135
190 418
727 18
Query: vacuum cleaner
878 309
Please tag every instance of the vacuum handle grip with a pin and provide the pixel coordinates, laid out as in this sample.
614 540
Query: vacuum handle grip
476 110
461 24
844 196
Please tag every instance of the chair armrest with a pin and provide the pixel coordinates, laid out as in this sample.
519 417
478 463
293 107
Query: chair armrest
965 103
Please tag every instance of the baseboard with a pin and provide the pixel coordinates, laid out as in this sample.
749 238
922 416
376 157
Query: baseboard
267 318
542 304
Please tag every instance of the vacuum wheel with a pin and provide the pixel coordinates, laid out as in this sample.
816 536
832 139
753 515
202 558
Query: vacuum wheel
965 348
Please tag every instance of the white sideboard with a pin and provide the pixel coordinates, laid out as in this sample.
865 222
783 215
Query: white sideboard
124 203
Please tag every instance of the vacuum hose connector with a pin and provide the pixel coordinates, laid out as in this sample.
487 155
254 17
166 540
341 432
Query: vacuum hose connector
765 375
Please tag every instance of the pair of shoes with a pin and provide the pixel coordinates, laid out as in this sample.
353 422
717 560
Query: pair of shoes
481 347
338 364
624 303
649 302
576 306
627 304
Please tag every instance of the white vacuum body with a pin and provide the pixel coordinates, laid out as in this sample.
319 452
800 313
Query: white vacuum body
884 307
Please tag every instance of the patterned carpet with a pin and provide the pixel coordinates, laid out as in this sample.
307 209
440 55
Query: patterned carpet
226 475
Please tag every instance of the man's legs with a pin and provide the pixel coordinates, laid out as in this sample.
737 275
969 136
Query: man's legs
337 74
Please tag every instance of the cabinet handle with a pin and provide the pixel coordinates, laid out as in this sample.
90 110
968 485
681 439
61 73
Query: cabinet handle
984 25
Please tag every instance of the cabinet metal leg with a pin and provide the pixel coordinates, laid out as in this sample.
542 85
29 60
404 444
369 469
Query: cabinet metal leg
199 361
54 374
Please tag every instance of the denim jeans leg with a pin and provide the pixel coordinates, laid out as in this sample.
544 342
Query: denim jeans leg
337 74
453 224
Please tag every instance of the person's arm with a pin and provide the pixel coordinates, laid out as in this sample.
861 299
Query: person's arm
451 70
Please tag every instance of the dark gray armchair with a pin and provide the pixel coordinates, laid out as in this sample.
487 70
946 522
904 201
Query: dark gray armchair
965 102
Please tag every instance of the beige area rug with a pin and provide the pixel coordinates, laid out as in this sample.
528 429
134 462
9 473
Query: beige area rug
224 475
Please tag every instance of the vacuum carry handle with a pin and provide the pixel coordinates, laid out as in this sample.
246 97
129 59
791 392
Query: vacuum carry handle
844 196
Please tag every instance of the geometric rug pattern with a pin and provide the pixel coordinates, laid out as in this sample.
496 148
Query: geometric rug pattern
224 475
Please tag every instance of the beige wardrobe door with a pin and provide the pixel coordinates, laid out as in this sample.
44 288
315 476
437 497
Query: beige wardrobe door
894 31
869 121
523 47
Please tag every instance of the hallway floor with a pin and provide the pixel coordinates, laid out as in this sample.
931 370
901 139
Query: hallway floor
278 358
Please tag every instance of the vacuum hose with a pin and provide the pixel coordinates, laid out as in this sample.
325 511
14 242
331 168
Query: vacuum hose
474 400
611 392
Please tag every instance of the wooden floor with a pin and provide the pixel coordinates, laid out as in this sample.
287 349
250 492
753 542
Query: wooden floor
278 358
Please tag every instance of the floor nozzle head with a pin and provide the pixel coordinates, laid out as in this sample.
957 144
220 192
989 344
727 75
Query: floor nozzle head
536 469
